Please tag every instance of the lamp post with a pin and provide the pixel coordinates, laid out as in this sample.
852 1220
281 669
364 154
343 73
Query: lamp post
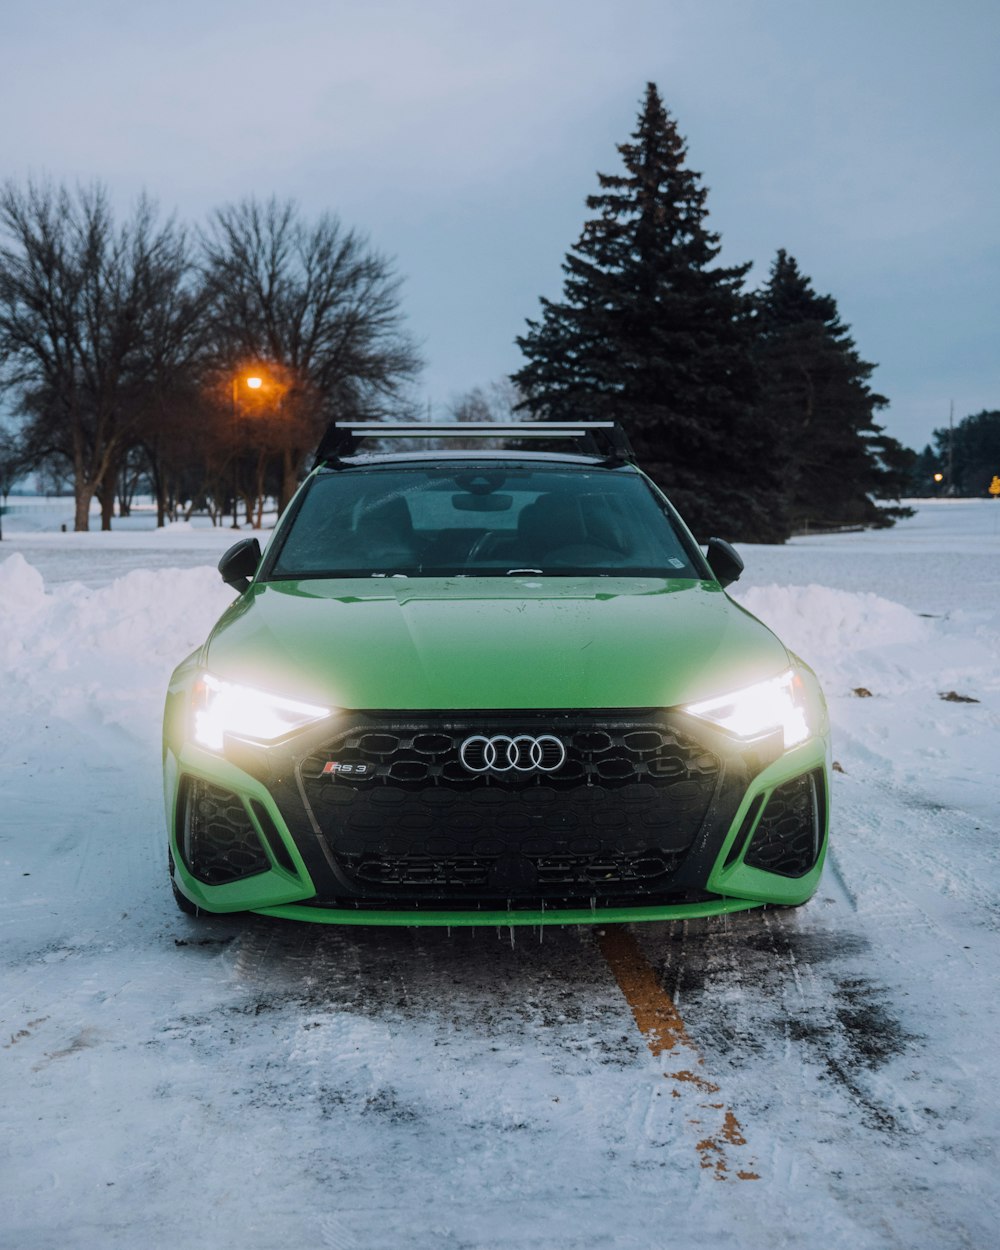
254 383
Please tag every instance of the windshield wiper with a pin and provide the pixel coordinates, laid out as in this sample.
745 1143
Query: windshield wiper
514 572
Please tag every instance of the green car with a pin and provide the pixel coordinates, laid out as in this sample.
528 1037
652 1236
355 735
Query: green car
480 687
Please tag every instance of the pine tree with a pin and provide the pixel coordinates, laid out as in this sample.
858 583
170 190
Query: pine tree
970 453
927 477
815 385
651 332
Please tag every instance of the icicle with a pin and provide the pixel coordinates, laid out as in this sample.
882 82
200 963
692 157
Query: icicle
510 929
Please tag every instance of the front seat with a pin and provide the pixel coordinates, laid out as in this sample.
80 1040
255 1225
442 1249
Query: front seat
385 535
551 522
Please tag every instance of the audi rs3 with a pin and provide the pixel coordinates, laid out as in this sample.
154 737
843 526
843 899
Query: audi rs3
490 685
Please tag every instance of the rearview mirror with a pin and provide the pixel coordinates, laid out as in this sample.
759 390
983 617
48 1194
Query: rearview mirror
240 563
482 503
724 561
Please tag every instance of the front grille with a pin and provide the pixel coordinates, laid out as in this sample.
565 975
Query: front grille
788 837
215 834
543 871
401 816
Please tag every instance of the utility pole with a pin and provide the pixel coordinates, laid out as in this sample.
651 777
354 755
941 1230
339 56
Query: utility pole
951 449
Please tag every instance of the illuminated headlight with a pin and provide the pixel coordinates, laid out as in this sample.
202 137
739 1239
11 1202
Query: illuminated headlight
222 707
779 703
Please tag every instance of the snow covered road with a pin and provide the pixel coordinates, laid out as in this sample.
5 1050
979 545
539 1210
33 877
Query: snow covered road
823 1076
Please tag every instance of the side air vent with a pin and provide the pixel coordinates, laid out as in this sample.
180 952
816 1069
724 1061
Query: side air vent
787 839
217 839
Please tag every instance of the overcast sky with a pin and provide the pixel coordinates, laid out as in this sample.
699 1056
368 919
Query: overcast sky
861 135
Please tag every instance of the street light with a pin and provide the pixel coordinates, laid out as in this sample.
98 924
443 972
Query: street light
254 383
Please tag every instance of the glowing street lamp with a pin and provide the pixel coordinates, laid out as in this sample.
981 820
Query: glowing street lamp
254 383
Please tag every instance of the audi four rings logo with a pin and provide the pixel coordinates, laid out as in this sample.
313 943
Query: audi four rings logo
521 754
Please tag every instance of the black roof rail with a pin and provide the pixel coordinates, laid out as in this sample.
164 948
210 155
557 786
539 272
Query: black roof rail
602 438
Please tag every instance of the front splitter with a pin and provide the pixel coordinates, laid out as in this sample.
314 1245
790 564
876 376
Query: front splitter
466 919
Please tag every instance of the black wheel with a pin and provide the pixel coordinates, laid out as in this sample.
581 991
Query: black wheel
184 903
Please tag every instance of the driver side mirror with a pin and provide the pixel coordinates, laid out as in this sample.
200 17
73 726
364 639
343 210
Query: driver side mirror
724 561
240 563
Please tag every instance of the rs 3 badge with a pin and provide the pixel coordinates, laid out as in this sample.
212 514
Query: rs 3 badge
352 772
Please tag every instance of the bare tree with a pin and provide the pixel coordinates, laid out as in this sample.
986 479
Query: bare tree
315 308
172 418
81 301
497 401
11 464
40 285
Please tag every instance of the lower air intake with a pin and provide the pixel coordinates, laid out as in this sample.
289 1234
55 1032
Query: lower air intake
788 838
216 836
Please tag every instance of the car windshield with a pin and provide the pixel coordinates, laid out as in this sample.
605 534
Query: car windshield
481 520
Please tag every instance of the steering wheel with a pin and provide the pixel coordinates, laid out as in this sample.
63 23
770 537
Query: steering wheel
481 547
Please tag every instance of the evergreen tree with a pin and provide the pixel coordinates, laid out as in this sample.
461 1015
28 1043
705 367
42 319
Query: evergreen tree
927 466
651 332
970 453
815 385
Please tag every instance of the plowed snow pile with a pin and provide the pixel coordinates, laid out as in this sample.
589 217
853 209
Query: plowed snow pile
99 658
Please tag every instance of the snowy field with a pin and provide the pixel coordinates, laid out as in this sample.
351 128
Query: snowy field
823 1077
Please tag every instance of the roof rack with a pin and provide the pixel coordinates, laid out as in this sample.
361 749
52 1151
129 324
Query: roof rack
603 438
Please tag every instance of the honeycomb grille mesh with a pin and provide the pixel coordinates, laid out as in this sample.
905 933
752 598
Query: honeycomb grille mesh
787 839
219 841
619 815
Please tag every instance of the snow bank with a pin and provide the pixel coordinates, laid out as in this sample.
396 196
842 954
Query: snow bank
816 621
99 657
884 670
860 640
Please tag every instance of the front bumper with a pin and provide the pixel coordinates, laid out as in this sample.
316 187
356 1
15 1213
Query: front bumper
701 826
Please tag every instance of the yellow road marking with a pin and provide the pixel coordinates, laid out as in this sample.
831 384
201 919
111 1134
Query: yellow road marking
660 1023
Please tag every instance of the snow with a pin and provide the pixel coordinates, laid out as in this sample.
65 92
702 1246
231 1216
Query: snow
242 1082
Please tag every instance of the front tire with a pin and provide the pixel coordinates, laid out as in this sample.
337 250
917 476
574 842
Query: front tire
184 903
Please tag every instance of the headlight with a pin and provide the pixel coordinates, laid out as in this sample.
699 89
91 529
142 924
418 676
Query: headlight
222 707
768 705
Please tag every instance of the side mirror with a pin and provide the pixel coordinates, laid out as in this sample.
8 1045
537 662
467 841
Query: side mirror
240 563
724 561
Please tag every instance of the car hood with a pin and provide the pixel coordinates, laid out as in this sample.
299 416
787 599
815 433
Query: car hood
536 642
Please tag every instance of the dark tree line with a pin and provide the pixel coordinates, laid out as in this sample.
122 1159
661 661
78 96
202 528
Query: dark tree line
126 348
752 409
963 459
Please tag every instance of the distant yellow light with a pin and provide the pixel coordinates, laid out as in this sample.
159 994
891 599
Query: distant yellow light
255 383
938 477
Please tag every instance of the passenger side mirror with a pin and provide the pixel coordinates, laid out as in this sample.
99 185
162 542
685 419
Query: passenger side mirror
724 561
240 563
